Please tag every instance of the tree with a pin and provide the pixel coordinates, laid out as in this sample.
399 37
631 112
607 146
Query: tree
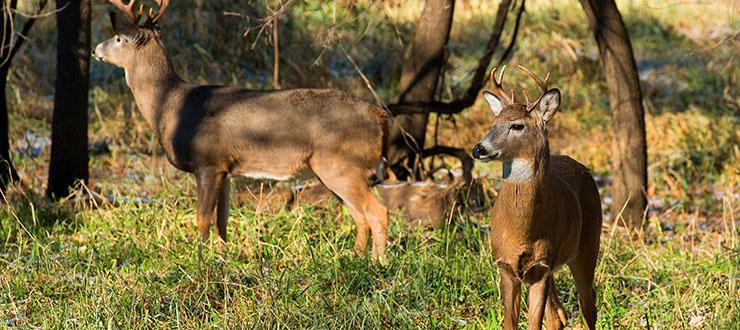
419 83
10 48
412 110
69 156
629 152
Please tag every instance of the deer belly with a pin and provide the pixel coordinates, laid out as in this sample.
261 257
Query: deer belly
265 175
279 176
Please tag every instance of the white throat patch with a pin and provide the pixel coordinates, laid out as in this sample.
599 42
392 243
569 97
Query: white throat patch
517 169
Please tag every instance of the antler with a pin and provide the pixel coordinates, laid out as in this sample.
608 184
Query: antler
497 86
162 7
126 9
540 82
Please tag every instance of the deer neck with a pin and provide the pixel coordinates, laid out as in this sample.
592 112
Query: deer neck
153 82
525 181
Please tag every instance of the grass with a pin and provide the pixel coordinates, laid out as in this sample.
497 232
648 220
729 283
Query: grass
134 263
136 266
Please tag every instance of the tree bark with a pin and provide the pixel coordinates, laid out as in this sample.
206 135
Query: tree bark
69 155
629 152
419 82
7 171
9 48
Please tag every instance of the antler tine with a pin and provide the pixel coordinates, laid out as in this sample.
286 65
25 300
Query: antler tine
538 80
497 85
126 9
526 96
162 7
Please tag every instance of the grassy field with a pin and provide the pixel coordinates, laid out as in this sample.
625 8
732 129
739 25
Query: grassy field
133 262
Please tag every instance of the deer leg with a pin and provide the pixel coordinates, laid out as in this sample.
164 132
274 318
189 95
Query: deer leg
377 217
352 187
222 210
363 230
209 185
511 295
538 293
583 268
555 318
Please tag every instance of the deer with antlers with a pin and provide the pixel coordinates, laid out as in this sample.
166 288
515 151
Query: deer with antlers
215 131
548 211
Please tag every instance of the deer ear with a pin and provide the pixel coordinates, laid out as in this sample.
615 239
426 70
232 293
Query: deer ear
121 26
494 102
548 105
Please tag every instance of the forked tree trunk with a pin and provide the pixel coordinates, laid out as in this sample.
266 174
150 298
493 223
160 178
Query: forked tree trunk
69 157
629 152
419 80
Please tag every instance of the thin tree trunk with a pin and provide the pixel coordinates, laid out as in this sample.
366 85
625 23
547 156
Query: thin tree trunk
69 156
629 153
419 81
7 171
9 48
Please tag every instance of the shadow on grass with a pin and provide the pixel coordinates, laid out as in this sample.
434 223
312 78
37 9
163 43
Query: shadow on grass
676 72
31 213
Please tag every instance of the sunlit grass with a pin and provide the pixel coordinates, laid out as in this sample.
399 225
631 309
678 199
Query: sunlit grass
136 266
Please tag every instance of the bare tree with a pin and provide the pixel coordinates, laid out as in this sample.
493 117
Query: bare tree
629 153
11 44
419 80
417 99
69 156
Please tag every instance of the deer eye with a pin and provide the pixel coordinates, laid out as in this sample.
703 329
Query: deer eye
517 127
118 39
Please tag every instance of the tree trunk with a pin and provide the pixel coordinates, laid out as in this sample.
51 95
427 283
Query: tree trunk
629 153
419 82
7 171
69 156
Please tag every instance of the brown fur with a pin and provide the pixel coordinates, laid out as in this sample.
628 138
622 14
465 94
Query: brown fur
218 131
545 219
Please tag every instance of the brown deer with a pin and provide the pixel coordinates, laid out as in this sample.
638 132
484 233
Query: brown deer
548 211
217 131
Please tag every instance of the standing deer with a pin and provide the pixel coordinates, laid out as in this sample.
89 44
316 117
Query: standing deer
217 131
548 211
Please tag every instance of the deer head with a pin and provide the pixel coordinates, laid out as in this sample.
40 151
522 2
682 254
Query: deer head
132 37
519 130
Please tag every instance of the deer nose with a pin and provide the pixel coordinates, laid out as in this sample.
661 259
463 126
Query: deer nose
479 151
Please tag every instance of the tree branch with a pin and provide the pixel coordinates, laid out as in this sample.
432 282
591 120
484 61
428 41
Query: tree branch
479 77
25 30
462 155
509 48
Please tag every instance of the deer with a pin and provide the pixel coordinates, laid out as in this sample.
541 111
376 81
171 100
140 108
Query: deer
548 210
217 132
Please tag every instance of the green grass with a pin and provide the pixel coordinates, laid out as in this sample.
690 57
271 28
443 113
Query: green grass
136 266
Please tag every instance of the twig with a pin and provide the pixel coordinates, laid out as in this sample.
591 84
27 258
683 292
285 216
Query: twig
404 133
276 53
514 34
